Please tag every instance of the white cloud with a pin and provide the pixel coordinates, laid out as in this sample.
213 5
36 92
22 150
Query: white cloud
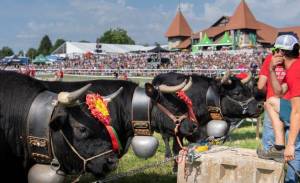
279 13
88 19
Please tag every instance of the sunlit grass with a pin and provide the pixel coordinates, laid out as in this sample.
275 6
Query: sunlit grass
242 137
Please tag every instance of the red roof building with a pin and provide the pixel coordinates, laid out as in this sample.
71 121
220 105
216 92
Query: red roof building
244 29
179 32
242 18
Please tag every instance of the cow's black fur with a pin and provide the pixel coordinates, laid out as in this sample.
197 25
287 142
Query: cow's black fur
16 96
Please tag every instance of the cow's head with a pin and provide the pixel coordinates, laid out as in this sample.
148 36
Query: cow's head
81 143
162 91
237 98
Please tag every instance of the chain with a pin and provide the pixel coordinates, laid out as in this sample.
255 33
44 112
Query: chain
136 170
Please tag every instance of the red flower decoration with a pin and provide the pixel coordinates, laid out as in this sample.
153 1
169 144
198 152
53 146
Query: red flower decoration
98 108
181 94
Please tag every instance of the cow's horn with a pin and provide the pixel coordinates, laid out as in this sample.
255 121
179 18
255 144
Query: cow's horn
171 89
247 79
188 85
110 97
225 78
68 98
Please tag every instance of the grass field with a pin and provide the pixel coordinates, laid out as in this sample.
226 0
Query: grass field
241 137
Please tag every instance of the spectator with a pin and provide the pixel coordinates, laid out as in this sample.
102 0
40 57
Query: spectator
285 112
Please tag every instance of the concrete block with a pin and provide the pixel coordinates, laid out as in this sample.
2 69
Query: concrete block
230 165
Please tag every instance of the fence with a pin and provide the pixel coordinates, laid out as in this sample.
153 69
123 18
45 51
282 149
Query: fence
135 72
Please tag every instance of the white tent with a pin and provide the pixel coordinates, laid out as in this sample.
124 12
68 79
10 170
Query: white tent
79 48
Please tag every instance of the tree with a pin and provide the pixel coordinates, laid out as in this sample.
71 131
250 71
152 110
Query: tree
21 53
84 41
57 44
32 53
45 46
116 36
6 51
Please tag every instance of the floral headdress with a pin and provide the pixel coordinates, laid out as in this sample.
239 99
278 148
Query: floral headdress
98 108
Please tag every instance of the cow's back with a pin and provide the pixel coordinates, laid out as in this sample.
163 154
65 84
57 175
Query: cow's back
17 92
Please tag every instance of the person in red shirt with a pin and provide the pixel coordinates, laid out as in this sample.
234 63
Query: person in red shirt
264 84
268 138
241 75
285 113
59 75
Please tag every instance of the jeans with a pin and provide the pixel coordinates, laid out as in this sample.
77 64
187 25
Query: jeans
268 140
268 137
285 113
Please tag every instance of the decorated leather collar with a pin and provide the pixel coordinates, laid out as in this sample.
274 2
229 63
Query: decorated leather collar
37 131
214 104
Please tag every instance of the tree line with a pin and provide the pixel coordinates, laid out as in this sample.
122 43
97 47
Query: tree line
112 36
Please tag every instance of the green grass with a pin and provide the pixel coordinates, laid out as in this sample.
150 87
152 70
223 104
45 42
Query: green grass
244 137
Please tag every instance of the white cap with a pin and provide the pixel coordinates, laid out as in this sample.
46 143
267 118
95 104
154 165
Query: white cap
286 42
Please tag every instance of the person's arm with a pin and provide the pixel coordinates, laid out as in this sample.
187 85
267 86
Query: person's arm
284 88
277 88
275 83
261 83
289 153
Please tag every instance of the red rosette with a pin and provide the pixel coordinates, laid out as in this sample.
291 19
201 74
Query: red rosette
98 108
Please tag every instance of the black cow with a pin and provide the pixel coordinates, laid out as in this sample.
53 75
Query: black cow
76 135
121 108
235 100
71 126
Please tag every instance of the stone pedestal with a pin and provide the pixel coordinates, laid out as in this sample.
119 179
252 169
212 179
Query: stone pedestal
230 165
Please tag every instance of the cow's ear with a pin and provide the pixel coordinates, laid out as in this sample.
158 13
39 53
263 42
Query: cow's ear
58 121
151 91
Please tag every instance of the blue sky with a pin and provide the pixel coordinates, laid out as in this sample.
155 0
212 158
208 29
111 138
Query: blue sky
25 22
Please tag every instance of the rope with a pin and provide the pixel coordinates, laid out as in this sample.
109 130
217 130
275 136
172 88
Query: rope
82 158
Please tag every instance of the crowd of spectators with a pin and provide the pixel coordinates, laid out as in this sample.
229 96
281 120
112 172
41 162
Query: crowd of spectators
122 63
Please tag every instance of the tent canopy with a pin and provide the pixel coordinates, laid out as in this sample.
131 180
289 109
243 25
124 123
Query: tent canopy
14 59
157 49
205 40
225 40
40 59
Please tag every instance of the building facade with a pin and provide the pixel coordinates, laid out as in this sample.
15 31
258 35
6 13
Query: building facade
241 30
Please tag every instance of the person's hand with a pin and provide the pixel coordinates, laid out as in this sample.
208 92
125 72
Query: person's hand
289 152
276 60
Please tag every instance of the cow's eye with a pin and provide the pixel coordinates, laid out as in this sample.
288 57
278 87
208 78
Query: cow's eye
81 132
236 93
82 129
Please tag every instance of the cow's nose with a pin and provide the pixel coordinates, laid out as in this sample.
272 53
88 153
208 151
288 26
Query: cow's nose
260 107
195 127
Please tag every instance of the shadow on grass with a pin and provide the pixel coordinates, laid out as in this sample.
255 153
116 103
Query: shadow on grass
243 135
149 178
138 178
